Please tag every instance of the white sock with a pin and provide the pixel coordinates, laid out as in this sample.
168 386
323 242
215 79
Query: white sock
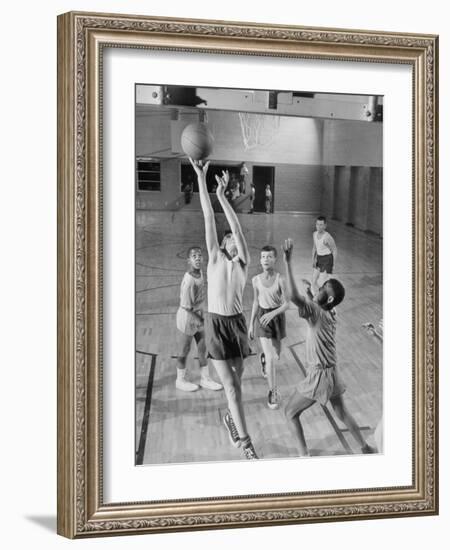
181 374
204 371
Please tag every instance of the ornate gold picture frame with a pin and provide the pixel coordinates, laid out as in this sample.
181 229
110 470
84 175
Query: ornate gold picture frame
82 509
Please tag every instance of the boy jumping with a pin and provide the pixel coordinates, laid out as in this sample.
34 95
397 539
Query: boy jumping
225 326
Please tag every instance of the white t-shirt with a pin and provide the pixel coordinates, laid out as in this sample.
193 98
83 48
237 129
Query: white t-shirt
226 282
323 243
269 297
192 295
192 292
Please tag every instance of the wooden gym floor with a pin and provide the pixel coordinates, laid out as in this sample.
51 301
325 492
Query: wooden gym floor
176 427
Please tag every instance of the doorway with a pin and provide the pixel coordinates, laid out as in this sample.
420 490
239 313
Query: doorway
263 175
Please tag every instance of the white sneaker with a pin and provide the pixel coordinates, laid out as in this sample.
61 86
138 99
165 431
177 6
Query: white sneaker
273 399
184 385
210 384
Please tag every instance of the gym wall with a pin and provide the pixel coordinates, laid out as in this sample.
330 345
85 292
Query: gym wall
298 188
332 167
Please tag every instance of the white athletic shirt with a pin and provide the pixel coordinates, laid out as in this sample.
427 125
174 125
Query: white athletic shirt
269 297
192 296
226 282
322 247
192 293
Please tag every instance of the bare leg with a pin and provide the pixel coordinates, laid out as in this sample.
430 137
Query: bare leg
185 347
272 349
181 382
296 404
344 416
201 349
269 354
230 374
205 380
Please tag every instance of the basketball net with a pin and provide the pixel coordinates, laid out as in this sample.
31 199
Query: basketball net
257 129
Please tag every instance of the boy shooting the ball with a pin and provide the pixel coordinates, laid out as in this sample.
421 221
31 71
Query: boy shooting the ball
225 326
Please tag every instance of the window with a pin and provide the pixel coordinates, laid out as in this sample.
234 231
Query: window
148 175
188 175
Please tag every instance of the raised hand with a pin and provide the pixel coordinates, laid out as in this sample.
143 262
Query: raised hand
200 168
369 327
287 248
222 183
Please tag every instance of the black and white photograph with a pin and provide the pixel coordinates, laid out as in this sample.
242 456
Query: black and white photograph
258 274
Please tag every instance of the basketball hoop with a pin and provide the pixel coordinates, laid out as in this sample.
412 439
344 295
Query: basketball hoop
258 130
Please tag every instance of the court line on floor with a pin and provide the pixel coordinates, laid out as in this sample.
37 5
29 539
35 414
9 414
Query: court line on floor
146 416
161 268
157 288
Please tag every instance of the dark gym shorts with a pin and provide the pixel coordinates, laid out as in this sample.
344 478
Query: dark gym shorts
276 329
325 263
226 336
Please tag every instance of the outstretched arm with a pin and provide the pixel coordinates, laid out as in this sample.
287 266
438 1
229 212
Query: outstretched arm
307 285
251 327
292 290
232 218
332 246
212 243
314 254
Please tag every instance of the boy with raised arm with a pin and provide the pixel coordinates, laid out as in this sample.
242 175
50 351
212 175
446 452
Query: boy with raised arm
322 382
225 326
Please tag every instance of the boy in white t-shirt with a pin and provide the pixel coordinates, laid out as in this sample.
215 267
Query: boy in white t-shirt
225 326
190 323
268 320
324 254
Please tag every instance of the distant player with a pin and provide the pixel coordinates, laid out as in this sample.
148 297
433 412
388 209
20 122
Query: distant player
324 254
243 172
268 194
322 382
225 326
268 321
190 323
252 197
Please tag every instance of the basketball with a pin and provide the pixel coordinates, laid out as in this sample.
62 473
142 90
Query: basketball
197 141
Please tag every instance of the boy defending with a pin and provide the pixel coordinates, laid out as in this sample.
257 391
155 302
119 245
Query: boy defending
268 320
190 323
322 382
324 254
225 326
